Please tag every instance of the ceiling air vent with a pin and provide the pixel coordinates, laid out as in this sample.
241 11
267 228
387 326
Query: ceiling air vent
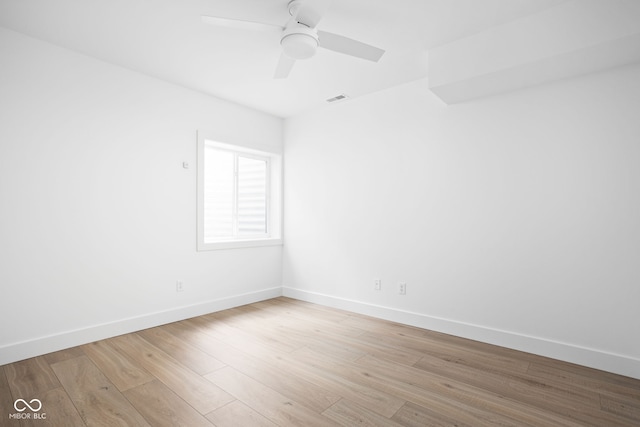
340 97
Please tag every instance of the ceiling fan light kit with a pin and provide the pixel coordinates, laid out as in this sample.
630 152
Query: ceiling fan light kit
299 42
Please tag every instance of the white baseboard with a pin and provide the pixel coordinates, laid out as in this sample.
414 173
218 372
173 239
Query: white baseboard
47 344
593 358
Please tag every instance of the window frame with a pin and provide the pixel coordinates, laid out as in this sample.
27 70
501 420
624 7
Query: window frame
273 194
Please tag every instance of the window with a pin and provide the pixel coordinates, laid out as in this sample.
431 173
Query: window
238 196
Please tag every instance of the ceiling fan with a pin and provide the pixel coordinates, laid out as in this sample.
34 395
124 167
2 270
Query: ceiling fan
299 37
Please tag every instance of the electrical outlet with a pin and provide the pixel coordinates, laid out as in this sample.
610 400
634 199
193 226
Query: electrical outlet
179 286
377 284
402 288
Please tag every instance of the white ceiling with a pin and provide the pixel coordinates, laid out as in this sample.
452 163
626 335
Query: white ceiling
167 39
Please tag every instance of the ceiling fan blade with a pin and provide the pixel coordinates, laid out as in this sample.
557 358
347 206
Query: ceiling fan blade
240 24
285 64
311 12
349 46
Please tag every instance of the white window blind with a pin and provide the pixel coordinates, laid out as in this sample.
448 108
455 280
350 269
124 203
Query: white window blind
252 196
235 195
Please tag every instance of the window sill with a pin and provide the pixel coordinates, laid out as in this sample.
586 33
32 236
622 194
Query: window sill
237 244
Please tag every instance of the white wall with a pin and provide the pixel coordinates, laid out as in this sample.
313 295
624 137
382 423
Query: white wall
97 215
512 219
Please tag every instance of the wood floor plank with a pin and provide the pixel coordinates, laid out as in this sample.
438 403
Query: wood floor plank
371 399
280 409
570 403
412 415
329 340
6 400
348 414
327 345
163 408
304 336
266 340
605 383
30 378
245 320
517 384
470 357
469 344
296 316
188 354
281 380
57 410
236 414
379 401
587 374
456 391
626 408
123 372
314 310
387 351
407 391
193 388
371 324
62 355
98 401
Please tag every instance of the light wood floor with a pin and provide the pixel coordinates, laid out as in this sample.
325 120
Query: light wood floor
284 362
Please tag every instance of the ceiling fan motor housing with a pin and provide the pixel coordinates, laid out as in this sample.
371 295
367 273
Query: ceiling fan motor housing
299 42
